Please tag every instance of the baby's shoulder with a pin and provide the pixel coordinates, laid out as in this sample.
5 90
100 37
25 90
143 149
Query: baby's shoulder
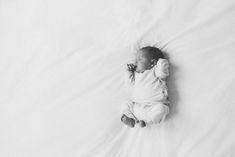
162 61
161 69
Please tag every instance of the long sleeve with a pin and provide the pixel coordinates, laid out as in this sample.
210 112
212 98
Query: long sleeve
162 69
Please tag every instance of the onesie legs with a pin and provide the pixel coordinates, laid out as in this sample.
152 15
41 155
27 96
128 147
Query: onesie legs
145 113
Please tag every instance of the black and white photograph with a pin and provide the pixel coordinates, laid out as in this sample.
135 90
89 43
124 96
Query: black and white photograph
117 78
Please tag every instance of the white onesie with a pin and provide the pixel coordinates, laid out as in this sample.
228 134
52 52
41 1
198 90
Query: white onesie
149 100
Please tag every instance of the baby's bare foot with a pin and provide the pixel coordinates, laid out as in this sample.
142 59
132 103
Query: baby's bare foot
142 123
128 121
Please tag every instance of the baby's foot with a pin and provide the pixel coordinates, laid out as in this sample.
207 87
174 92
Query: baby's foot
142 123
128 121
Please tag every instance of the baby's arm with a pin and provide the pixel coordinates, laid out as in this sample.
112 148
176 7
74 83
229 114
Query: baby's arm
162 68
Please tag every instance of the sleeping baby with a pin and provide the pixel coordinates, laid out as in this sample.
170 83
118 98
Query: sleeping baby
149 101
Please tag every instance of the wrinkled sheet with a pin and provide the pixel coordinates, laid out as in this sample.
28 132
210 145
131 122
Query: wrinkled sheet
61 83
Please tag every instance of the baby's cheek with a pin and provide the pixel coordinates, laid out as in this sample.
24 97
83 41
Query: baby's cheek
147 64
140 65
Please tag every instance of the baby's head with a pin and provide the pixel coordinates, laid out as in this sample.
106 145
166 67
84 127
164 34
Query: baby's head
147 57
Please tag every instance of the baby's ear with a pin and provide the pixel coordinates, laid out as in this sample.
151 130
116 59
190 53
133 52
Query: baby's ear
154 61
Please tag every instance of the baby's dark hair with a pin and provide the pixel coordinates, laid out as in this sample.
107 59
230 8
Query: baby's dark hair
153 52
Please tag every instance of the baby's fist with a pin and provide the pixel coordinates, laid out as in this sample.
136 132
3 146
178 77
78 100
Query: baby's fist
131 67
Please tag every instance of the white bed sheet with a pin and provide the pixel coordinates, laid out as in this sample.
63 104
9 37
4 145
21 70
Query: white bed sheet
61 77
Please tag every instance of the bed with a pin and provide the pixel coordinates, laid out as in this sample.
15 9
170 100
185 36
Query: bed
61 84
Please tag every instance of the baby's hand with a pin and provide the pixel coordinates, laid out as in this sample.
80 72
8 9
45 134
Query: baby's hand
131 67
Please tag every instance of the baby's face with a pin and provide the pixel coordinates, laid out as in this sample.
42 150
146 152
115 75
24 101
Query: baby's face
143 61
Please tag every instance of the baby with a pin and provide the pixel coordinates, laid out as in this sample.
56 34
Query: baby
149 102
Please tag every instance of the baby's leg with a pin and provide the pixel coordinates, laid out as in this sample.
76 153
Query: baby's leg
127 115
139 114
156 113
